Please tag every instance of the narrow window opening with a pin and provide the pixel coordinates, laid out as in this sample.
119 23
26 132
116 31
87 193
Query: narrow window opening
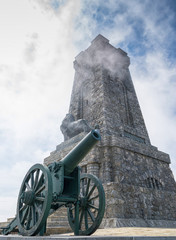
153 183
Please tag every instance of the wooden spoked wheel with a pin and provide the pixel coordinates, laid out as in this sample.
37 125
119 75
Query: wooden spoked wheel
34 200
91 205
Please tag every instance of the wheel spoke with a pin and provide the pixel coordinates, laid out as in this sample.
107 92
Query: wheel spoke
93 198
91 191
38 209
27 186
40 199
81 218
91 203
32 180
25 213
23 208
40 182
72 208
36 213
71 213
91 215
33 215
34 200
82 185
86 220
36 178
87 188
28 218
40 189
92 206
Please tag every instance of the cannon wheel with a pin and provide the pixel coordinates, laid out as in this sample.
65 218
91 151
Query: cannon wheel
91 205
34 200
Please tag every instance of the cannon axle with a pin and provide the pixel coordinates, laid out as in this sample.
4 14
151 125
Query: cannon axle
28 197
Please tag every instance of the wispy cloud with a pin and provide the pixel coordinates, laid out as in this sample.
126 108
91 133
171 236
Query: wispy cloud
35 88
39 41
146 31
31 48
155 83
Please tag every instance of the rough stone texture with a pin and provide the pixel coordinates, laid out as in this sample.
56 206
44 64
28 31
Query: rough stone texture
139 184
58 223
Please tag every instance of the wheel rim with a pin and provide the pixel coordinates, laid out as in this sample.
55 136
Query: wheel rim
34 200
91 205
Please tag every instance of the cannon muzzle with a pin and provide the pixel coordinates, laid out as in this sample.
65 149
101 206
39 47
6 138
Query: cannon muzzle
74 157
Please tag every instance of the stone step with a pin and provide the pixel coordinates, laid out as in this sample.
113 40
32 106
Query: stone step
59 217
60 212
58 224
58 230
9 219
3 224
53 219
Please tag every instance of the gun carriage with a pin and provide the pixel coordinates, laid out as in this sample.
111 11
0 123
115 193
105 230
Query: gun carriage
47 188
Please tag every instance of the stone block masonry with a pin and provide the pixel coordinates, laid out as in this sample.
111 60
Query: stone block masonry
139 184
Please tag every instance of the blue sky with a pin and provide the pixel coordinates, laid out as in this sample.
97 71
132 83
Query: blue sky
38 44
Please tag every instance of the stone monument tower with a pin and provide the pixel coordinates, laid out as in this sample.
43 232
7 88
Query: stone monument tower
139 184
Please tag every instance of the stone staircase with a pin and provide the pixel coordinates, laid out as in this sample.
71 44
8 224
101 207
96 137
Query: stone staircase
58 222
4 224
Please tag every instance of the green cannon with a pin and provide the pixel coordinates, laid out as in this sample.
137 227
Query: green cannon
47 188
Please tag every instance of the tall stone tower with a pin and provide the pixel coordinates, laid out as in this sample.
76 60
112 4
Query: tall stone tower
139 184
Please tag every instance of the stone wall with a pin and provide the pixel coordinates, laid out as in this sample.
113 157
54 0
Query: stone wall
131 201
137 180
129 205
103 91
139 184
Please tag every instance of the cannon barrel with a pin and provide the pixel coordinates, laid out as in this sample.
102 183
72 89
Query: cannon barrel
45 189
74 157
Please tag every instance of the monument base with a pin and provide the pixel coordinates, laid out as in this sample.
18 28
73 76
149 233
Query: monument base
133 222
129 203
132 206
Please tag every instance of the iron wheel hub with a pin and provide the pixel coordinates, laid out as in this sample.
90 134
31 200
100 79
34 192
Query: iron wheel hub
28 197
84 202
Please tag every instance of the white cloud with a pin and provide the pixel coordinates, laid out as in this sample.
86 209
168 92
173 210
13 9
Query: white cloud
39 40
155 88
36 77
31 48
153 73
7 207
